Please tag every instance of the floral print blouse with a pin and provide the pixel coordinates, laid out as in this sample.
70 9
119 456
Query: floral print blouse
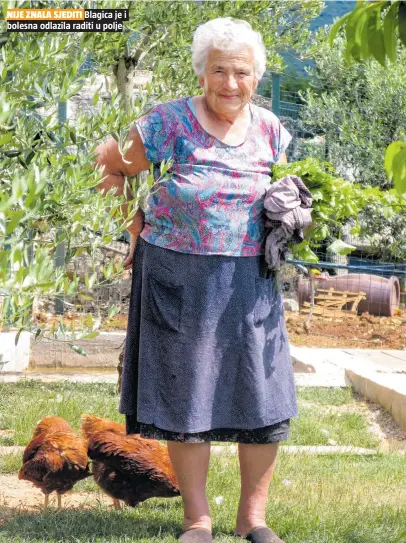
213 201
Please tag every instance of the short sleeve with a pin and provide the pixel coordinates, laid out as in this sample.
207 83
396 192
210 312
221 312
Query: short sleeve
158 133
277 135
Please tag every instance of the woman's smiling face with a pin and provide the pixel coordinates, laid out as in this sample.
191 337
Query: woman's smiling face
229 80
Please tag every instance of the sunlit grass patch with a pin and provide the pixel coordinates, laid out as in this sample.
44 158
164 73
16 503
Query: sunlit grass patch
24 404
331 416
326 396
10 463
313 499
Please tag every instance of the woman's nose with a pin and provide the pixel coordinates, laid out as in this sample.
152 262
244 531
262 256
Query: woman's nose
231 82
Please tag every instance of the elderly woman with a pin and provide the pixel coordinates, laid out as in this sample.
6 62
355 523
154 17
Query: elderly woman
207 354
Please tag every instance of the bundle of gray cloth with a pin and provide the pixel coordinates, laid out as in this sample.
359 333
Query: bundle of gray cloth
288 207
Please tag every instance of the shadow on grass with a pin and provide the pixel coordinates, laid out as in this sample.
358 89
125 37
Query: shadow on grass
88 525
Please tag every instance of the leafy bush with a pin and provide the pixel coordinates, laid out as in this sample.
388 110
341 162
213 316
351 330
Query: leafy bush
335 202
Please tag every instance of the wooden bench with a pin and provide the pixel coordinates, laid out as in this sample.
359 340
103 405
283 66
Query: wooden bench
331 303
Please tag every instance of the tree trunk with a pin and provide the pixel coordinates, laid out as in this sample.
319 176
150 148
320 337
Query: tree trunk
125 82
125 75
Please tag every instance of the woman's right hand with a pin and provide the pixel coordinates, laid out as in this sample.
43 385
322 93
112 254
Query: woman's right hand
134 230
128 262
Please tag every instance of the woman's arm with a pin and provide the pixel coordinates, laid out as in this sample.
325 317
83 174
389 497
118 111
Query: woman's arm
113 166
283 159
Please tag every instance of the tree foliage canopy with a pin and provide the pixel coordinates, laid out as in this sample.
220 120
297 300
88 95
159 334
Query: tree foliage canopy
359 107
374 29
164 33
48 197
48 181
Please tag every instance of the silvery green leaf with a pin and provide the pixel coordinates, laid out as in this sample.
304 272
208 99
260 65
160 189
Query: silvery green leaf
339 247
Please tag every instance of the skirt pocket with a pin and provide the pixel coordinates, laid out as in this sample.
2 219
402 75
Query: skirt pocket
164 304
265 298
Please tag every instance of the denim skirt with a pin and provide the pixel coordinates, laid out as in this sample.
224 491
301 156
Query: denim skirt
207 354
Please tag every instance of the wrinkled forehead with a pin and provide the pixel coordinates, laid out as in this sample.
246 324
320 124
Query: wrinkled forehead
241 56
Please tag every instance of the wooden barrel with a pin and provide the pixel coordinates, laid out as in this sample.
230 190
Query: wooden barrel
382 295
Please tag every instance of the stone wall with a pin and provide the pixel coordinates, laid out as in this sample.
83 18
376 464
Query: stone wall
102 353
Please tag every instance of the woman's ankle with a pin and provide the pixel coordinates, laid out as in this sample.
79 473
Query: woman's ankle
244 527
199 522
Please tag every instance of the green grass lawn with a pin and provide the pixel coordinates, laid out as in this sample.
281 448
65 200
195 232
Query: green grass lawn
313 499
331 415
24 403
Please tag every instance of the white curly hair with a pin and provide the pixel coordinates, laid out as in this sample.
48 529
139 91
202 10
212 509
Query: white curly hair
227 34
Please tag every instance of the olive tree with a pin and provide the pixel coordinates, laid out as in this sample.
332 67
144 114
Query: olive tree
159 35
48 197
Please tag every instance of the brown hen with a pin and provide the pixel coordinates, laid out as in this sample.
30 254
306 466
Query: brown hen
91 424
128 467
55 459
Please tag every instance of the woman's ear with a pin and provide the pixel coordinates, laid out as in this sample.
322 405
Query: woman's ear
201 81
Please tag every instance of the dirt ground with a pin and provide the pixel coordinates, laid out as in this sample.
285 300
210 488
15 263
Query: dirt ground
16 494
345 331
359 332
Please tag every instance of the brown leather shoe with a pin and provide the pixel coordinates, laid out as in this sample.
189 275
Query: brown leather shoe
196 535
